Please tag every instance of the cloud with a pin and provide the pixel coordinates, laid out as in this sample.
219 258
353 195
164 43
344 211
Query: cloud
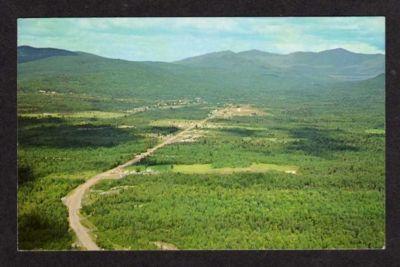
167 39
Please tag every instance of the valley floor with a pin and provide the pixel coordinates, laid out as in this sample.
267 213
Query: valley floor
240 177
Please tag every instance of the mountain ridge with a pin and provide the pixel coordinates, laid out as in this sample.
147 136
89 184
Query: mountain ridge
225 74
335 63
210 53
26 53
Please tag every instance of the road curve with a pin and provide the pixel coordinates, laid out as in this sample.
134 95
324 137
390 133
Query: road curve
73 201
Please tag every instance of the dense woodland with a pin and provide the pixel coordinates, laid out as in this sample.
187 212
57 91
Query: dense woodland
75 121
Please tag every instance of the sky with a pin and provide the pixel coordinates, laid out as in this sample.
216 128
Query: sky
169 39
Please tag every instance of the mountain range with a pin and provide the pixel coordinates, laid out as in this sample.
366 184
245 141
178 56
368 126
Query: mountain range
213 74
337 63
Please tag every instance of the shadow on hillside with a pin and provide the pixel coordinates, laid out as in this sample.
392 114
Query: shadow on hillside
40 231
319 142
29 121
242 132
163 130
74 136
25 173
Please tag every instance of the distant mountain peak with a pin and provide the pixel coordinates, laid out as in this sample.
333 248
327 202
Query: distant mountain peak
25 46
336 64
208 56
223 52
336 50
254 51
27 53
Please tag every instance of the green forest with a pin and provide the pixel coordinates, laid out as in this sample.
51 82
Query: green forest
303 169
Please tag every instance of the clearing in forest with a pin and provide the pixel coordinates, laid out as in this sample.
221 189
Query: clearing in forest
207 168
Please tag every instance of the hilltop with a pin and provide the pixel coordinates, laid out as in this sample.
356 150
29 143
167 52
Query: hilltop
28 53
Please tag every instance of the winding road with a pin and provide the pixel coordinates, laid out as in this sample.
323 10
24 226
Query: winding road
73 201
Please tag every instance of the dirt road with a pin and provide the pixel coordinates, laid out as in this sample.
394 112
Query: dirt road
74 200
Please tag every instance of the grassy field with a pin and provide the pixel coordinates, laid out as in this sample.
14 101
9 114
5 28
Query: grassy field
207 168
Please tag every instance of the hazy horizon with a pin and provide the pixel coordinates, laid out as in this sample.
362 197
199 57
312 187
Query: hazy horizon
213 52
171 39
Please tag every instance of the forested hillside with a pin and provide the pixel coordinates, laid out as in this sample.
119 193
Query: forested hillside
278 151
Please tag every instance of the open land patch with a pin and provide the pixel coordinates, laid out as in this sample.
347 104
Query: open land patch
239 110
175 123
208 168
83 114
375 131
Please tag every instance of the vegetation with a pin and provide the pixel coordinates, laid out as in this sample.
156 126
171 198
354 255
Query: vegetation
238 211
42 217
207 168
339 183
54 156
231 187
